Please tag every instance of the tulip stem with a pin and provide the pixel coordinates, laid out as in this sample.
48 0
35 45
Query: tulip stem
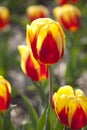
50 85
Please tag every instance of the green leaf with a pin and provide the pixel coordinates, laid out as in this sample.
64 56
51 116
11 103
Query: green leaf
1 123
59 126
41 93
27 126
50 118
32 113
8 125
42 120
85 128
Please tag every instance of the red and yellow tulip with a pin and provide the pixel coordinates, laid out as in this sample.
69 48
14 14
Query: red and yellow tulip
33 69
71 107
4 17
62 2
47 40
37 11
69 16
5 90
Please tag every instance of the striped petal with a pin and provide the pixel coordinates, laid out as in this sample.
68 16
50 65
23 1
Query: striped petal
33 69
5 90
4 17
36 11
47 40
71 107
68 15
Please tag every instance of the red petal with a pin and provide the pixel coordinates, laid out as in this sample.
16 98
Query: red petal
63 116
75 24
31 70
8 99
33 46
2 103
49 52
79 119
43 71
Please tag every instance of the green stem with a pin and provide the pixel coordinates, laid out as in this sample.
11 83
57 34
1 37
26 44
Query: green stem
41 93
50 85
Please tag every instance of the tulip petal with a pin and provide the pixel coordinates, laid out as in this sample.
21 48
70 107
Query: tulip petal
5 90
62 109
77 115
71 107
2 103
47 41
36 11
50 39
43 71
32 68
4 17
69 16
67 90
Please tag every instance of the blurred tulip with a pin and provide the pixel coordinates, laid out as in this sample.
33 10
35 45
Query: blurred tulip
71 107
47 40
62 2
36 71
37 11
69 16
5 90
4 17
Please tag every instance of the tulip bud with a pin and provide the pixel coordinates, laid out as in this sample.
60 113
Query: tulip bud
4 17
33 69
68 15
5 90
71 107
47 40
37 11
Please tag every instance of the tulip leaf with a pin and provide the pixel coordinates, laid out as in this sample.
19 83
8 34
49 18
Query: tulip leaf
8 125
27 127
42 120
85 128
1 123
32 113
58 126
41 93
50 118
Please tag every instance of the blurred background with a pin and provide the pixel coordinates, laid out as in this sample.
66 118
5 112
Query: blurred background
70 70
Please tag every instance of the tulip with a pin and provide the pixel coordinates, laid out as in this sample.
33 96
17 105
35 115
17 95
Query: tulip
37 11
70 107
4 17
62 2
69 16
47 40
33 69
5 90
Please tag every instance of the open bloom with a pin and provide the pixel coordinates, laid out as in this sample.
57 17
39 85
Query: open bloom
68 15
4 17
5 90
47 40
37 11
62 2
71 107
33 69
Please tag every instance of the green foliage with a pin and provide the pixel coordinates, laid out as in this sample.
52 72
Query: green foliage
42 120
5 121
76 64
31 111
